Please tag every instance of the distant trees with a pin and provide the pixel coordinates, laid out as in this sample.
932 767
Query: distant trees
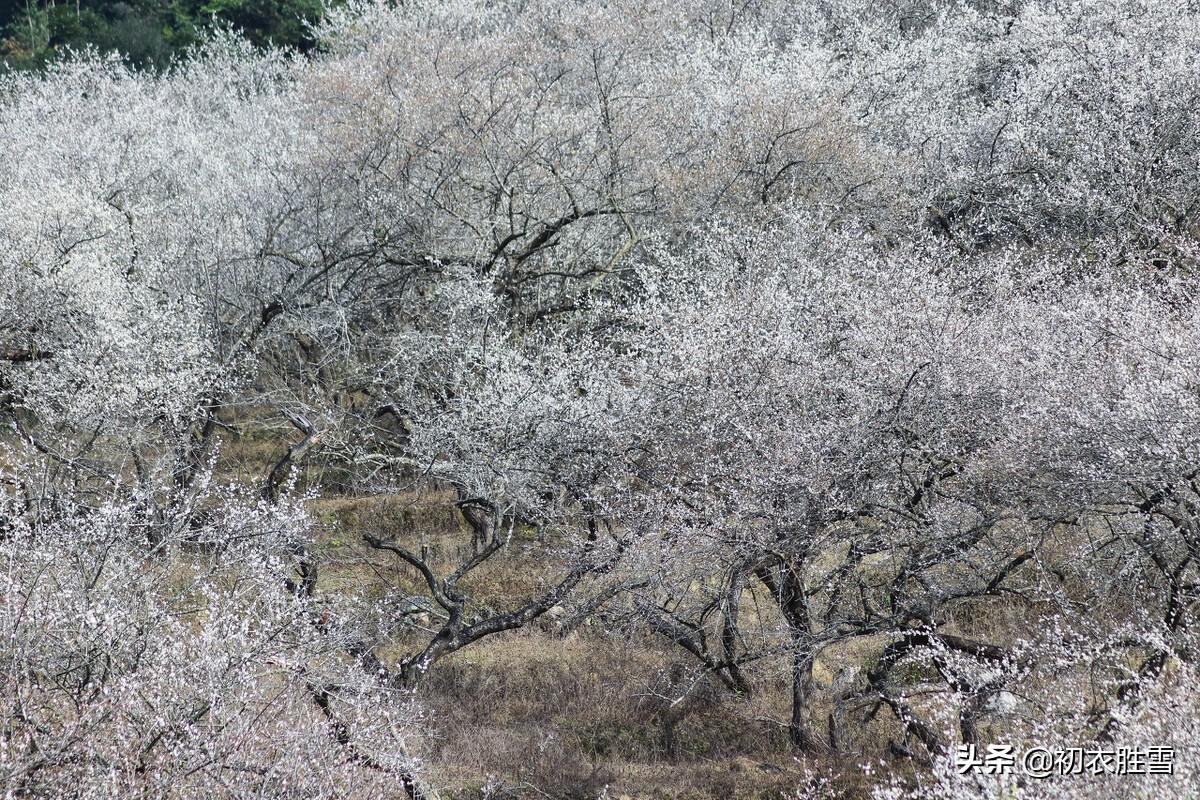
778 331
147 34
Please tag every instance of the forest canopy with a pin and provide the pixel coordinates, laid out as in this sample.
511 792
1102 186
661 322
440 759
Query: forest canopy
147 33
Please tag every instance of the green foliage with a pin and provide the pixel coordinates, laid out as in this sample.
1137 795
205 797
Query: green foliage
146 33
268 21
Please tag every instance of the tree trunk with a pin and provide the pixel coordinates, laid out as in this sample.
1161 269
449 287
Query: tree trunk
802 663
787 586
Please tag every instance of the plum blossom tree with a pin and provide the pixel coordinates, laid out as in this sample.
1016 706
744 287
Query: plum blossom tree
182 670
783 332
907 450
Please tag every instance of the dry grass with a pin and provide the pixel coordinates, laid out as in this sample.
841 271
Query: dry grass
531 714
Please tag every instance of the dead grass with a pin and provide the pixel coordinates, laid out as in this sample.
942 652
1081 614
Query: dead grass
531 714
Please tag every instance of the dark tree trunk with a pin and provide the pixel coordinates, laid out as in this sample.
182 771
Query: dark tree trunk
786 584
